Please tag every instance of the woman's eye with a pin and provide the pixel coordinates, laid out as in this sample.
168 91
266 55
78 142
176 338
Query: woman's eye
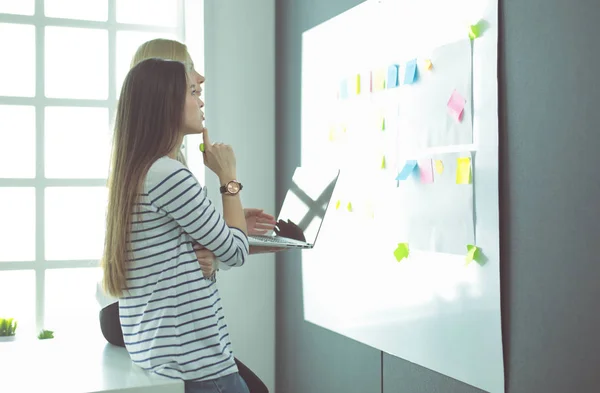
193 92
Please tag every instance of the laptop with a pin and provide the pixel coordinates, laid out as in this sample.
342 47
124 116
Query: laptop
303 210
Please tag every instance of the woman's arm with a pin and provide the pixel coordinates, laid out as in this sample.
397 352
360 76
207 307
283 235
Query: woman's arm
173 189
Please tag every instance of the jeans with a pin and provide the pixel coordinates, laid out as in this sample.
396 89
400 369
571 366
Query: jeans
231 383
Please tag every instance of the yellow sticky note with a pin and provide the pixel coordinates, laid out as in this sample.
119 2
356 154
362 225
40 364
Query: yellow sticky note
473 254
349 207
378 80
357 84
338 204
332 134
401 251
383 163
382 122
463 170
428 65
439 166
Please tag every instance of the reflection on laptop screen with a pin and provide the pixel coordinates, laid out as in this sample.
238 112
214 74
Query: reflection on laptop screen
307 199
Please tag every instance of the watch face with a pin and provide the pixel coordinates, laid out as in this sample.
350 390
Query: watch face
233 187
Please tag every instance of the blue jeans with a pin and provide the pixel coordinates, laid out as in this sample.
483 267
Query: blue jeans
231 383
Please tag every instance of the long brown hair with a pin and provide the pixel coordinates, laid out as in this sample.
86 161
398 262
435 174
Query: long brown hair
147 127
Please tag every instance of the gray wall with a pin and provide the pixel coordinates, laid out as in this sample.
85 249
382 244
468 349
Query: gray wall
240 95
549 209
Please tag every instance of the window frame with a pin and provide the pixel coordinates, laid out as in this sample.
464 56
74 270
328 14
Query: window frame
39 101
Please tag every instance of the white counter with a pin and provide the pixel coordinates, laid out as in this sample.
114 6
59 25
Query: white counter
75 367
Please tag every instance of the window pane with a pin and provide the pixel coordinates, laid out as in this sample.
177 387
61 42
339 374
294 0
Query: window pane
17 129
17 291
71 307
77 142
77 9
17 70
17 228
76 63
75 221
20 7
161 13
127 44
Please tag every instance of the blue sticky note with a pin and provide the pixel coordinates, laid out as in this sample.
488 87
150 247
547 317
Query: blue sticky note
392 76
408 169
410 75
344 89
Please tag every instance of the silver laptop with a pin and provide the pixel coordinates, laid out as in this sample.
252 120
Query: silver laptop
303 209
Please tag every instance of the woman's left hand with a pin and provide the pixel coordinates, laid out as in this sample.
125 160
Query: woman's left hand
258 222
206 259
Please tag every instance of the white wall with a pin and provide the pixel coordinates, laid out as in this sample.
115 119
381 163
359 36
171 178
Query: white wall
239 65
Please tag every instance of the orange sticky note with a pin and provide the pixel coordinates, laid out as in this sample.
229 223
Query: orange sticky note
463 170
439 166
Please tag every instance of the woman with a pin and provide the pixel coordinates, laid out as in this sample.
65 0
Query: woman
257 221
172 320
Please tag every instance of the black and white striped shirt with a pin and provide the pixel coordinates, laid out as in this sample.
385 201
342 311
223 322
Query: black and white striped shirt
172 319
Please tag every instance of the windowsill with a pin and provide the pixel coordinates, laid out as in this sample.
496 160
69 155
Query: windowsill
59 365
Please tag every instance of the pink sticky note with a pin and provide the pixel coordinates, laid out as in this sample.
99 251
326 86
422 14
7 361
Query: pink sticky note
456 105
426 171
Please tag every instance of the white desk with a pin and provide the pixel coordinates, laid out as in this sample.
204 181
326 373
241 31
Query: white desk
75 367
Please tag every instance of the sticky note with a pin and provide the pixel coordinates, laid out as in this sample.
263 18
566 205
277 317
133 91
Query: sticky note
401 251
383 163
349 207
474 31
356 86
392 76
456 105
428 65
410 74
426 171
463 170
343 89
370 210
338 204
408 169
202 147
439 166
332 133
381 123
473 254
379 79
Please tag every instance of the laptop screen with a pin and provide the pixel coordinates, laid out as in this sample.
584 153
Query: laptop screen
306 202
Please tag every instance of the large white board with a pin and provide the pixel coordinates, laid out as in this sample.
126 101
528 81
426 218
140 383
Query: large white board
430 308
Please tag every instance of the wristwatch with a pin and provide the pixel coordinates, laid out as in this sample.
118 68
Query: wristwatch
231 188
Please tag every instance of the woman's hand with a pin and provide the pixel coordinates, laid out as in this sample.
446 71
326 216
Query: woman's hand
220 159
258 222
206 259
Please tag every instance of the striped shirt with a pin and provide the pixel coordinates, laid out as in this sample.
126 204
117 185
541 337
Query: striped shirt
171 316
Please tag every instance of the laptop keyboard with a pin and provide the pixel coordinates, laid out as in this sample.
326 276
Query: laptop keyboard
271 239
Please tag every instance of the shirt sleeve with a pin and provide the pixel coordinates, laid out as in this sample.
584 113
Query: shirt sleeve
173 189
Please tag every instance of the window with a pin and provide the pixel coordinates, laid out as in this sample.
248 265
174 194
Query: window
62 67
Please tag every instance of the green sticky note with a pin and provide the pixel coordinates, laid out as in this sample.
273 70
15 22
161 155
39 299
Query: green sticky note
401 251
473 254
202 147
383 163
474 31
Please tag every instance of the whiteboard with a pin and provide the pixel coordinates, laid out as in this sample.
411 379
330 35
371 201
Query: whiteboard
430 308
